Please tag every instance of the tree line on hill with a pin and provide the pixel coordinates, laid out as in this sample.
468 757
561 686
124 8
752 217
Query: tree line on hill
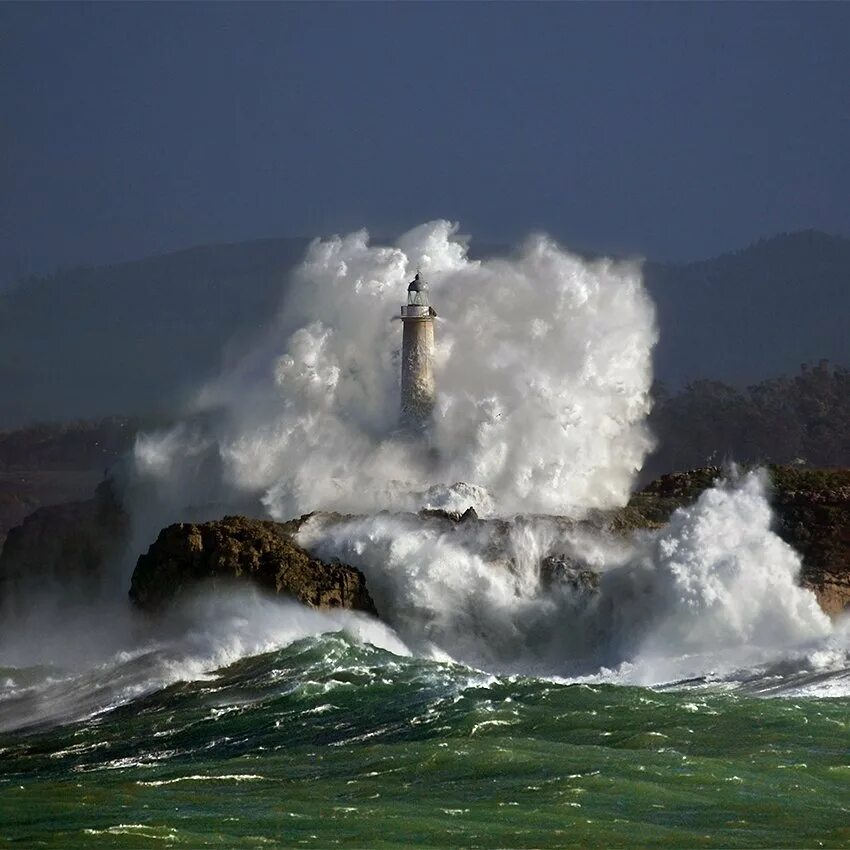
799 419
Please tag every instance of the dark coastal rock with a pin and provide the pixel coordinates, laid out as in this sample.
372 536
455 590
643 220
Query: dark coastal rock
66 544
813 515
812 510
562 568
240 548
71 544
469 515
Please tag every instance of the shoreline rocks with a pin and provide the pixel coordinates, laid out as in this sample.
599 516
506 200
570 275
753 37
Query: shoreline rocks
71 545
246 549
67 545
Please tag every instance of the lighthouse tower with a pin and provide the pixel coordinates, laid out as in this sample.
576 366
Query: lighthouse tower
417 356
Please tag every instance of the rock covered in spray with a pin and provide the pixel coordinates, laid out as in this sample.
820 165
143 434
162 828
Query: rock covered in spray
185 554
567 569
570 596
811 509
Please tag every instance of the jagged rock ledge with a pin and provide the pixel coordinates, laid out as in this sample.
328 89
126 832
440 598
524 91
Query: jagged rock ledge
72 544
65 545
236 547
811 509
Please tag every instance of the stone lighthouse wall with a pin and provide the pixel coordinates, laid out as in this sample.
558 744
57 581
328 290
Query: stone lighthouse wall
417 372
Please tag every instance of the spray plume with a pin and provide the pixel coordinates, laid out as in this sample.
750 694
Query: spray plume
713 591
543 369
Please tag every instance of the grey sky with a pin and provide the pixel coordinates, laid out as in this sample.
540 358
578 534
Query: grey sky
671 130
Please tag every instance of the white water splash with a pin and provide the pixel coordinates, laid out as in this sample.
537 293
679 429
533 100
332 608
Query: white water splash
726 579
542 366
124 659
713 591
543 369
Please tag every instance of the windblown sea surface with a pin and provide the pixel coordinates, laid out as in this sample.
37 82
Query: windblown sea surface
697 697
253 722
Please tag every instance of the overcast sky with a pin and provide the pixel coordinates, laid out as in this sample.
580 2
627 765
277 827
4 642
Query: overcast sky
670 130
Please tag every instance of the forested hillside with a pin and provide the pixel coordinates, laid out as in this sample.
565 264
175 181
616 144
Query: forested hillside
798 419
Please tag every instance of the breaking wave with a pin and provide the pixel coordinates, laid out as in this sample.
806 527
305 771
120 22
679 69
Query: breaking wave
713 592
543 369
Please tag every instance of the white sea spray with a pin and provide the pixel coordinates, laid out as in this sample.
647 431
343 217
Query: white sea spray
713 591
543 368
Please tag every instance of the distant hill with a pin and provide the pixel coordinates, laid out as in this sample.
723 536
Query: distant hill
755 313
136 338
133 338
52 464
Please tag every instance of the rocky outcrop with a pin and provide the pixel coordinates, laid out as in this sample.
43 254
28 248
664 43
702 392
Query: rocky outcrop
71 544
566 569
493 540
812 510
46 465
66 544
239 548
813 515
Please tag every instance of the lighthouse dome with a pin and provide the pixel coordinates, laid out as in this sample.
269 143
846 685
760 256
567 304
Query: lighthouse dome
418 284
417 292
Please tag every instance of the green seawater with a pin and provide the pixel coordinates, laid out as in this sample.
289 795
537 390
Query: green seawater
331 743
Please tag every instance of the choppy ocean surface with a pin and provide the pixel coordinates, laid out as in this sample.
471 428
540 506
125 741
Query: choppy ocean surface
332 741
698 697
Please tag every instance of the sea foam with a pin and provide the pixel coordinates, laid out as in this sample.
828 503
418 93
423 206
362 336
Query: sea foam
543 370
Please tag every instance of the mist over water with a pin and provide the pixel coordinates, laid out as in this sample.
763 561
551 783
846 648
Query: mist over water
543 369
98 663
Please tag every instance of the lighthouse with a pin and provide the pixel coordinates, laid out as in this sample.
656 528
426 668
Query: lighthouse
417 356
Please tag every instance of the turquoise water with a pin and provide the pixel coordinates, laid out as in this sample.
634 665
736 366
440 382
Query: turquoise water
331 742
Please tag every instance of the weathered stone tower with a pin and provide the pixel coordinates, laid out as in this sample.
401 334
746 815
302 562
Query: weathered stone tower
417 356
